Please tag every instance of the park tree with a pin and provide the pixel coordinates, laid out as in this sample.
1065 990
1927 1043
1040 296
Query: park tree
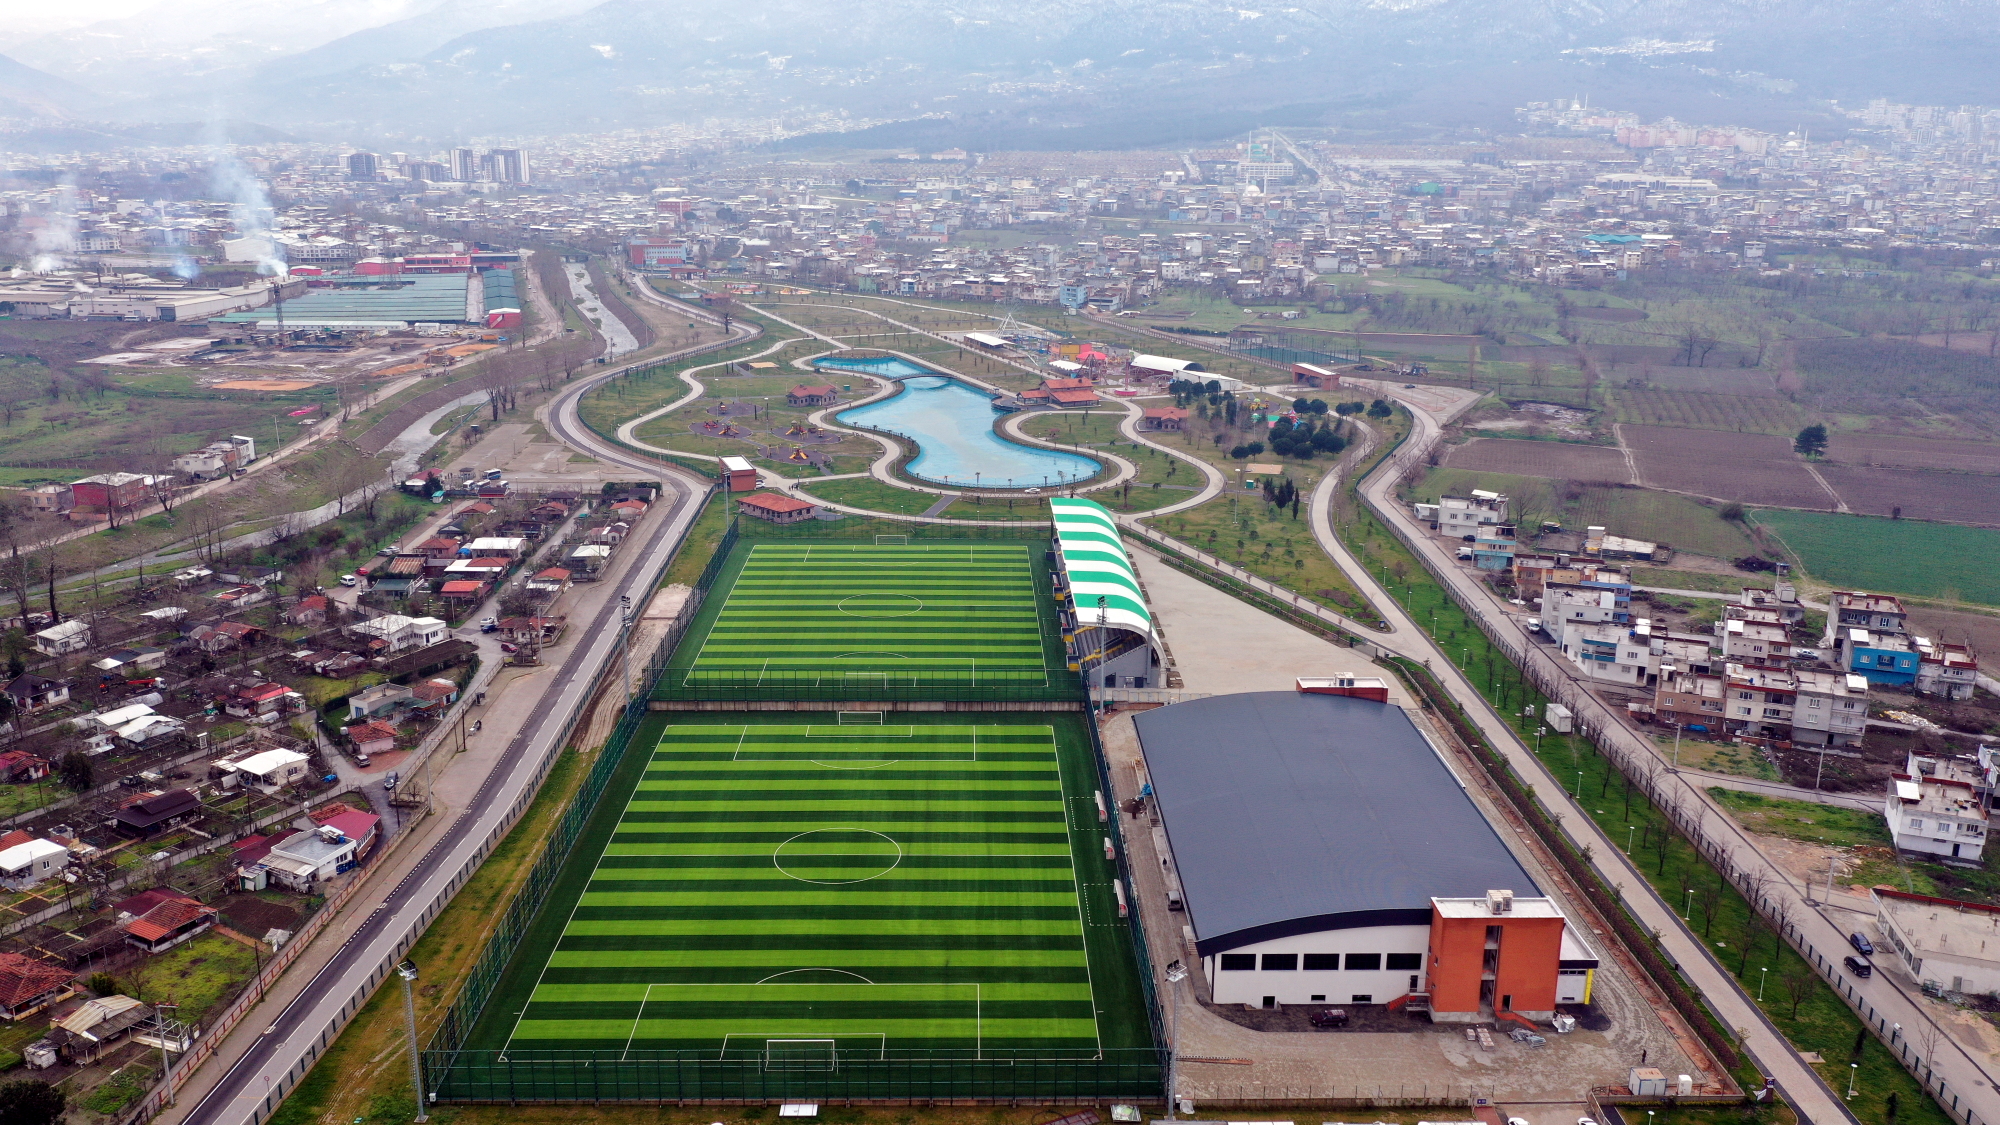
76 771
1811 441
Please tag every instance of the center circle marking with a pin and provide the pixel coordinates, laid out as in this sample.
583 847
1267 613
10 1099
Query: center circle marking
880 605
861 848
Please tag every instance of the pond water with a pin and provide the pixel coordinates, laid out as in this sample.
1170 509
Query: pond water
952 425
889 367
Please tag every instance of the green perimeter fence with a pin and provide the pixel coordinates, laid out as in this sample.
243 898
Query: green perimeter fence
456 1074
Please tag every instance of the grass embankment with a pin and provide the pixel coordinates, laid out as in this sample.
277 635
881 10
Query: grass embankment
365 1075
1800 1002
876 496
1871 856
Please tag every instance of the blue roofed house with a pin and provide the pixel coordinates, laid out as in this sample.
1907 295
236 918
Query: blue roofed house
1884 658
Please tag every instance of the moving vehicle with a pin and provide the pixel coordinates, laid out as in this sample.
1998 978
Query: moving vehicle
488 624
1861 944
1858 967
506 647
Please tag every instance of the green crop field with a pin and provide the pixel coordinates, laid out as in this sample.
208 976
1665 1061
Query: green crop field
1871 553
865 617
781 892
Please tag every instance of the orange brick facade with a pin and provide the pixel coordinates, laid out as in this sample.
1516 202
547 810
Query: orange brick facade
1523 966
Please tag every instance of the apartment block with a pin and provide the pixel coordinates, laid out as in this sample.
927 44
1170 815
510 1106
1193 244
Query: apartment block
1936 807
1948 670
1832 709
1878 613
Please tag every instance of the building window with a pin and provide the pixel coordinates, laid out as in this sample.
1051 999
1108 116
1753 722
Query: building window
1319 996
1743 695
1321 961
1238 962
1364 962
1404 961
1281 962
1362 998
1916 825
1812 702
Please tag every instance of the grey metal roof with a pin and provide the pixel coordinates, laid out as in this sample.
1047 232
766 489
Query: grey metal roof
1291 813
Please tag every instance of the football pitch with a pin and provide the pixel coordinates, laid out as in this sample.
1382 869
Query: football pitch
799 896
860 617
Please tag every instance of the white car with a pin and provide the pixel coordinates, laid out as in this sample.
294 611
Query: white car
350 580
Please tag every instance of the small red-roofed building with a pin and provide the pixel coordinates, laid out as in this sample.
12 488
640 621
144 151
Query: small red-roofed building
27 985
372 737
170 923
310 610
775 508
824 395
1172 419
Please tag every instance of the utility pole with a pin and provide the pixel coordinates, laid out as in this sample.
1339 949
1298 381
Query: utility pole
166 1066
408 971
625 645
1176 973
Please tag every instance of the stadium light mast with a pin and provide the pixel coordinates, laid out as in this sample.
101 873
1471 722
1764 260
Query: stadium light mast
408 971
1176 973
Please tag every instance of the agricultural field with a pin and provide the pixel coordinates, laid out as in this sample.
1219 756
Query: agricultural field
1870 553
1737 413
1913 494
1752 468
1554 460
1684 523
1895 451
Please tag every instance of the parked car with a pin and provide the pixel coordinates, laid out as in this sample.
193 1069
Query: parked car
387 552
1329 1017
1534 624
350 580
1858 967
362 760
1861 944
389 782
506 646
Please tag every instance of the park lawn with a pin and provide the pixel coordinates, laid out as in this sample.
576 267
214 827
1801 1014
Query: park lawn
1803 820
704 535
1720 757
871 494
1872 553
1241 528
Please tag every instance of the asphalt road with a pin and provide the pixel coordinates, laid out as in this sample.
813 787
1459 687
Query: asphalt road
256 1084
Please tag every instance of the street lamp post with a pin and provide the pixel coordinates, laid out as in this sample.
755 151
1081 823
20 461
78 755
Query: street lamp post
1176 973
1764 975
1579 773
408 971
166 1066
1677 745
1853 1072
1629 833
1689 908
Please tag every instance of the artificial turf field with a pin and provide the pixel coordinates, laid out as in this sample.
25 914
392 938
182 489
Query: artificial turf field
797 897
859 618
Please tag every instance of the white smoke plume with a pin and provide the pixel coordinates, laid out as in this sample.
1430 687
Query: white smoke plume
250 206
55 239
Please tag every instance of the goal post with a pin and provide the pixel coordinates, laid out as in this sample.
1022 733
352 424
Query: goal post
801 1054
860 718
892 540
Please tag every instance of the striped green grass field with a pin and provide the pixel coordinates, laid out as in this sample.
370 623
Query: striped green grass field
889 616
784 892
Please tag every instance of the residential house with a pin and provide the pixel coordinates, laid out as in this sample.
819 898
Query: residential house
496 547
27 986
382 699
1571 603
1832 708
610 534
550 512
1611 653
36 693
1877 613
393 632
131 661
310 611
372 737
822 395
1784 601
1885 658
549 583
438 547
1754 641
1167 419
1596 542
96 1027
628 509
25 864
149 729
124 492
532 630
1942 942
1534 574
1948 670
240 597
468 590
262 703
1689 700
247 575
63 639
51 498
433 696
330 663
152 814
1934 808
1493 548
1465 515
20 766
306 858
1758 702
172 922
271 770
775 508
586 560
477 570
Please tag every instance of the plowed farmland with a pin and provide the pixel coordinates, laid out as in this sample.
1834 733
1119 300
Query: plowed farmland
1556 460
1752 468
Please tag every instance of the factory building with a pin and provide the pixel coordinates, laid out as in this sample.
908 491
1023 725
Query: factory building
1326 853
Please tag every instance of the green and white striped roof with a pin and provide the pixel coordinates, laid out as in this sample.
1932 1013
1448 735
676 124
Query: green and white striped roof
1095 559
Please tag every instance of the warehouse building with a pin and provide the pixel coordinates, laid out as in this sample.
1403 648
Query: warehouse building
1326 853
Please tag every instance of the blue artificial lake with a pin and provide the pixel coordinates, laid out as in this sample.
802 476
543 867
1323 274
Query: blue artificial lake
887 366
952 425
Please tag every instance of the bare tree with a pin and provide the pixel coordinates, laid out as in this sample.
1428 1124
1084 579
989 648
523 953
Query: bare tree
1798 981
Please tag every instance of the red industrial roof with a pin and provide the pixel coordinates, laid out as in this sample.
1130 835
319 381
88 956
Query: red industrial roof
772 502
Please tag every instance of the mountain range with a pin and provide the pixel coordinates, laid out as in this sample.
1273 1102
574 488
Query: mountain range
995 73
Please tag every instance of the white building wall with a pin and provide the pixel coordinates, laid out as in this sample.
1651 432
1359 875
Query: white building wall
1324 986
